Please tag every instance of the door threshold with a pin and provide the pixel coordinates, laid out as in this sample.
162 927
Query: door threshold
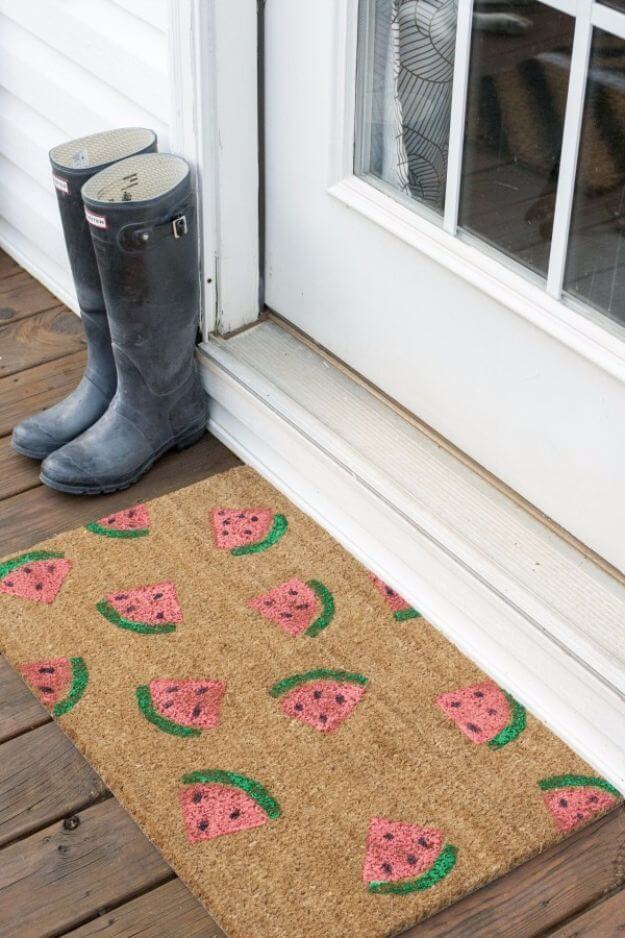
528 606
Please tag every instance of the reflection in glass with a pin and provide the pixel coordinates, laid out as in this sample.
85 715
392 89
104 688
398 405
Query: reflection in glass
518 80
405 63
595 270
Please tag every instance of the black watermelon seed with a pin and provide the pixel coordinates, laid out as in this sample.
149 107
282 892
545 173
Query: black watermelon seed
8 582
269 602
235 814
389 591
302 606
299 707
196 710
131 513
563 803
491 712
411 859
593 799
423 842
27 570
226 521
201 690
110 520
247 531
478 693
455 703
473 728
168 704
254 518
172 690
241 515
46 690
197 797
387 867
159 615
221 512
47 669
51 568
339 699
389 836
130 608
122 596
202 825
317 694
579 816
38 586
157 596
323 718
286 615
292 592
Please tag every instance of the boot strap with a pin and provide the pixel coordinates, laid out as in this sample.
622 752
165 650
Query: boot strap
136 237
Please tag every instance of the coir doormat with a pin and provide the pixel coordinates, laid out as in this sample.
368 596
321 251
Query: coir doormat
309 754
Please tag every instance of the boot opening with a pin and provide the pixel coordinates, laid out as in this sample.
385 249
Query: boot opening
137 179
102 148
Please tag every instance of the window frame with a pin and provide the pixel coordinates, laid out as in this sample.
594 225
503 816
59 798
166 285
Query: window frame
578 325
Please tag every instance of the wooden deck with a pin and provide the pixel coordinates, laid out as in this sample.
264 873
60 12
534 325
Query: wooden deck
72 862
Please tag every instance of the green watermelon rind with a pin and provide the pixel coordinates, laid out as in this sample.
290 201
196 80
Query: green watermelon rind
252 788
441 868
96 528
318 674
142 628
326 599
149 711
578 781
31 557
402 614
80 679
514 728
278 530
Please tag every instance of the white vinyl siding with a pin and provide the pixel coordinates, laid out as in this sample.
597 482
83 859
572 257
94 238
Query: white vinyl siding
70 68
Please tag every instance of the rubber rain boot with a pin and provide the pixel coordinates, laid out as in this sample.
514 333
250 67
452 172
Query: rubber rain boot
73 164
142 213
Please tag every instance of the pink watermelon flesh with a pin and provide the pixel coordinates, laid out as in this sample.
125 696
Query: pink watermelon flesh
239 527
132 519
151 605
293 606
39 580
399 851
323 704
393 599
50 680
570 807
190 703
480 711
211 810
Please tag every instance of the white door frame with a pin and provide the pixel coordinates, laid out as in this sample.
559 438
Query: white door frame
214 124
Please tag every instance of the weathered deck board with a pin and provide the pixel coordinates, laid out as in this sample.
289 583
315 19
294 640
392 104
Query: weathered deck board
169 911
17 474
19 710
40 513
7 265
39 338
543 891
606 919
62 875
43 778
29 391
21 296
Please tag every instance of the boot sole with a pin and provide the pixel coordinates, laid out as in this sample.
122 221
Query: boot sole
30 454
181 442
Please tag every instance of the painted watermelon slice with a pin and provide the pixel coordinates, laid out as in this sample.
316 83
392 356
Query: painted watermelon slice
321 698
247 530
59 683
297 607
132 522
215 803
573 799
485 713
402 858
400 608
182 708
148 610
37 575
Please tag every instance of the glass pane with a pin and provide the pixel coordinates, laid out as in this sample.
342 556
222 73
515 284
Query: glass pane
595 270
518 80
405 65
615 4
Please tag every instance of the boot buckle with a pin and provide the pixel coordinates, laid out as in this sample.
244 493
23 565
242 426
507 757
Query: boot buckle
179 226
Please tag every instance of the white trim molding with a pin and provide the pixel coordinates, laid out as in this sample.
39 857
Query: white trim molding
461 553
213 47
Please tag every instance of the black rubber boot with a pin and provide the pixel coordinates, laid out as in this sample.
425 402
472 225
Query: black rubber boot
142 213
73 164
